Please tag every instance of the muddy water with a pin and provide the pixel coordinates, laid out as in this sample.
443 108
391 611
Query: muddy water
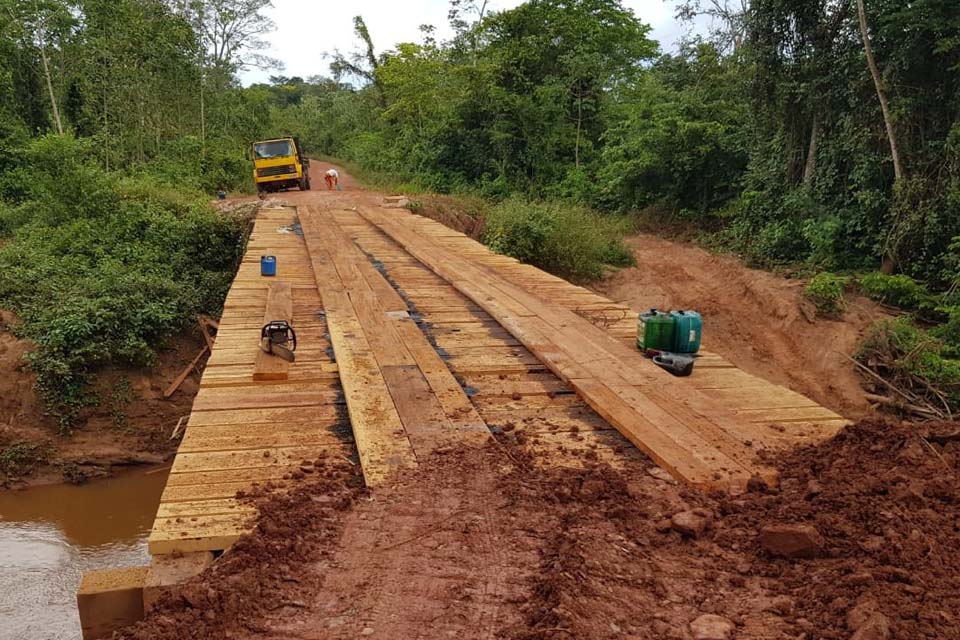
50 535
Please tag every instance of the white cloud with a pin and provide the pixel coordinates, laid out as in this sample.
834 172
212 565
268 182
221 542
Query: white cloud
306 29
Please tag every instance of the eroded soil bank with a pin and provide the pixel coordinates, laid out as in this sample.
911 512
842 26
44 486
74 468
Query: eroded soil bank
131 424
862 540
759 321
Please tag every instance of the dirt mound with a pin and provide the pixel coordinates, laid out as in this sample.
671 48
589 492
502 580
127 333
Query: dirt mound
262 573
759 321
131 424
487 544
886 502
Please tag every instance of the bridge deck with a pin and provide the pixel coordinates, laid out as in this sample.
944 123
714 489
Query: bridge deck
425 359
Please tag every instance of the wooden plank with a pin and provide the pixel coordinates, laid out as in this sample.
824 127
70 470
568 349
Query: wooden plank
378 430
604 371
430 403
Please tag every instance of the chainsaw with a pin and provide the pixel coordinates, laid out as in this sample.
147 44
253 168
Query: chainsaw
278 338
680 365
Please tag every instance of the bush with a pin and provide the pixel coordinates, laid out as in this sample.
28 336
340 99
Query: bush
899 291
826 292
568 240
914 360
19 458
102 269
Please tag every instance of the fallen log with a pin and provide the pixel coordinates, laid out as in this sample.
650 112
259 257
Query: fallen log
183 374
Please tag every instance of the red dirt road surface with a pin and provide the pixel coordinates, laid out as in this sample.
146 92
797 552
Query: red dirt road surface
485 544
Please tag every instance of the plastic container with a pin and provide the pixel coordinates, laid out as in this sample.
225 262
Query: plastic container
655 330
688 329
268 265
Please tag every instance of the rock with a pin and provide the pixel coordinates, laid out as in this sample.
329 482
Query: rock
663 526
814 488
791 540
592 488
711 627
859 578
367 631
660 474
691 523
873 544
780 604
858 615
877 627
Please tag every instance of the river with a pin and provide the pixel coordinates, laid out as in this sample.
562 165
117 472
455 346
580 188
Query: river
50 535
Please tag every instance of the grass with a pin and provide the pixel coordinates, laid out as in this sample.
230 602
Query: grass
20 458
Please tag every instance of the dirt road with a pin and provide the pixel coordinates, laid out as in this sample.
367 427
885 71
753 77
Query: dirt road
488 545
492 543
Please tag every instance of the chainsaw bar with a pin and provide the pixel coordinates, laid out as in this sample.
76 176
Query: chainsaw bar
277 350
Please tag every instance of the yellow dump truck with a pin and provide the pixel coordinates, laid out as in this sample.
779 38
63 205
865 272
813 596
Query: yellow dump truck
278 164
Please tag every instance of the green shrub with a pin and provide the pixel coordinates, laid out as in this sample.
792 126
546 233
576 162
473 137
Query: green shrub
101 269
899 290
19 458
565 239
826 291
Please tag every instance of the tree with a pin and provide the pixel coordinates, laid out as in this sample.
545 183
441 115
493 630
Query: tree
36 21
362 64
728 20
231 31
881 91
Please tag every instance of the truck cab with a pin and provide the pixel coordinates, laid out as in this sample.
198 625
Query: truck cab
279 163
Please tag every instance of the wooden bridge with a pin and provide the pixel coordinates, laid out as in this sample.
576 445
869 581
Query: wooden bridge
413 336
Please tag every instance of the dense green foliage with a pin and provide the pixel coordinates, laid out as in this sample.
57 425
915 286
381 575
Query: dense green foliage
777 145
907 352
100 268
768 133
899 291
825 290
114 117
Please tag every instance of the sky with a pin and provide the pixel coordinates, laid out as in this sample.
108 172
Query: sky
306 29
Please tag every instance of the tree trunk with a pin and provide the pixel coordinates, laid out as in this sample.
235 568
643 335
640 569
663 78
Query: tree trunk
889 259
203 116
881 93
810 170
576 150
46 73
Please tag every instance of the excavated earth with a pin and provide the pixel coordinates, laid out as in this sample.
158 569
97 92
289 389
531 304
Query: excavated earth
861 540
759 321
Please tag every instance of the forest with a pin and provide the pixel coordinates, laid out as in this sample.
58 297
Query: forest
822 136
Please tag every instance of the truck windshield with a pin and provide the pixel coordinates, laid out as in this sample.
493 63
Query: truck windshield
274 149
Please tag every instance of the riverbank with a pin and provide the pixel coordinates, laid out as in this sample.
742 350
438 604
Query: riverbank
131 425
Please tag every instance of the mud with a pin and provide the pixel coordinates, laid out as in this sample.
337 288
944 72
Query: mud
758 320
262 574
487 544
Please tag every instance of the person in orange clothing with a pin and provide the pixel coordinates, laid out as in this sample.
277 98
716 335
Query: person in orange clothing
332 177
